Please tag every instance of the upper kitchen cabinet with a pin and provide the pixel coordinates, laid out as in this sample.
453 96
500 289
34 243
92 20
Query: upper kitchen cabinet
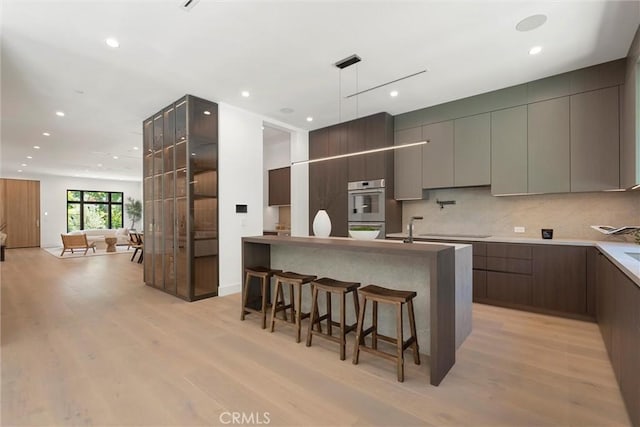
472 151
548 146
328 179
574 131
437 155
280 186
595 140
408 165
509 151
369 133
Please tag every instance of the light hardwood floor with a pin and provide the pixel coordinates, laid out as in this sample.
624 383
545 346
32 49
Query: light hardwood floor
84 342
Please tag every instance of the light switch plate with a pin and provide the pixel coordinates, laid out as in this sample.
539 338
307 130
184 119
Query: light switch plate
518 229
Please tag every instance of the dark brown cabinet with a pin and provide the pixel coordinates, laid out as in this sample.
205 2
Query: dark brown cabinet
508 269
617 302
551 279
560 278
280 186
328 179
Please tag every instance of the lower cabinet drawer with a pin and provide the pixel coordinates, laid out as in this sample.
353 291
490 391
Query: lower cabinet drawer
509 265
508 287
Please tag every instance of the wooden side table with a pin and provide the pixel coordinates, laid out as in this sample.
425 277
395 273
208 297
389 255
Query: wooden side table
111 243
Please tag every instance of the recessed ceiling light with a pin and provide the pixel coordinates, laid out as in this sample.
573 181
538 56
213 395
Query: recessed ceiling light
207 113
112 42
135 148
60 113
19 170
262 127
23 164
193 154
115 157
535 50
531 22
37 147
46 133
99 165
309 119
393 93
245 93
29 157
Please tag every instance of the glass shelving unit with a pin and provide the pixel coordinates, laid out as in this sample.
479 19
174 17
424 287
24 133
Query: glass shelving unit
181 199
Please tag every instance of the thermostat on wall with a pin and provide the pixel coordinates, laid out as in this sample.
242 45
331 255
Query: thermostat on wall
241 208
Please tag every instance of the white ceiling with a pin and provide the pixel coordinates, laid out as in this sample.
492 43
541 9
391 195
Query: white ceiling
54 58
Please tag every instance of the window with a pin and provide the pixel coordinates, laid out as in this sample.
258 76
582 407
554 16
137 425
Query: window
94 209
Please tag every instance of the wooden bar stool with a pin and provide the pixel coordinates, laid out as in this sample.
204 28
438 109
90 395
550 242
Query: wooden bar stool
263 274
398 298
332 286
294 280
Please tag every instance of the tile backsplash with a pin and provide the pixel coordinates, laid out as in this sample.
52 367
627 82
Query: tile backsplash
570 215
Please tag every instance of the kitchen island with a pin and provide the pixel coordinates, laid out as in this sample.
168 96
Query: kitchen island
439 273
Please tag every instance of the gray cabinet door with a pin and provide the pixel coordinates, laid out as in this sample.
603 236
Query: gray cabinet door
548 146
595 140
408 165
437 155
509 151
472 151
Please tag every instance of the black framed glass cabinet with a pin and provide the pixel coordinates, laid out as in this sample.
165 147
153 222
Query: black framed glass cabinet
181 199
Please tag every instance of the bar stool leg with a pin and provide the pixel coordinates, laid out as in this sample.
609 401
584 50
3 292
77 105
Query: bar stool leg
245 295
359 338
280 294
414 335
264 283
329 318
291 301
314 314
374 334
278 291
342 326
299 313
400 343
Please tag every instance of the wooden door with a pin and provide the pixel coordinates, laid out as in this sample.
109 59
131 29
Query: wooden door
22 210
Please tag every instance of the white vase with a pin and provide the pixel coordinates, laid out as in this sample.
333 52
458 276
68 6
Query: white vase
322 224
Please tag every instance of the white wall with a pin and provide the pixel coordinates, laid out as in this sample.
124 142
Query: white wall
240 154
53 201
300 185
276 155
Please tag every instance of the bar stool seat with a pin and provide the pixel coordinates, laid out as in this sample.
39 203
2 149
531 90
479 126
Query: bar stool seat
332 286
264 274
378 294
294 280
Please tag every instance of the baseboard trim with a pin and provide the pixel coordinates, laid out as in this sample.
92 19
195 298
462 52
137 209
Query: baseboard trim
229 290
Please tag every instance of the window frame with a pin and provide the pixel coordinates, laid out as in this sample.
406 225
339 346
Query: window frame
109 204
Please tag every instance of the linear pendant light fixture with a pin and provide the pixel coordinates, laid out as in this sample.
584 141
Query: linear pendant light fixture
359 153
342 64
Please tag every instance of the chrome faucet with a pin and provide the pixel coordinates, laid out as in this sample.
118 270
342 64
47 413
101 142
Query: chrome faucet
410 238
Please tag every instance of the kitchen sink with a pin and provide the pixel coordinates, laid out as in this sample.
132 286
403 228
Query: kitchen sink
461 236
635 255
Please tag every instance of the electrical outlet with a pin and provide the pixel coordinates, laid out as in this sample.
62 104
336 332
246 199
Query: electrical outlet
518 229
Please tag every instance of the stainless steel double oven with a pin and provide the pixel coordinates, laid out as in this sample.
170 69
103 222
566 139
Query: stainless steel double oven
367 204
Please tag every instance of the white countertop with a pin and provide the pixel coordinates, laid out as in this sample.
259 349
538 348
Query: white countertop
499 239
615 251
